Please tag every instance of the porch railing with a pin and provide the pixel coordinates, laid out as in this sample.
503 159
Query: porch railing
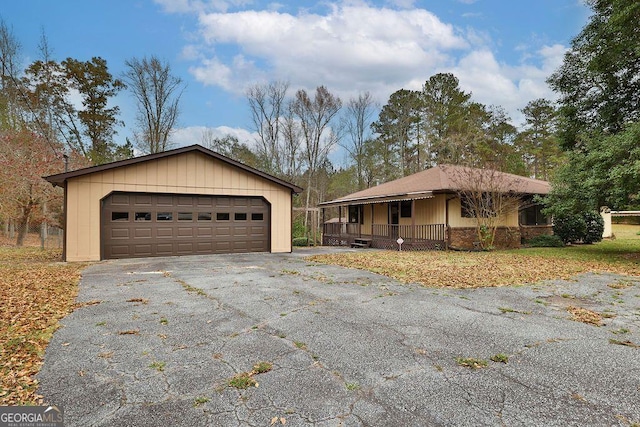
386 231
410 232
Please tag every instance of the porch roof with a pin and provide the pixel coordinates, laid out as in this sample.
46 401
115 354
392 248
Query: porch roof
443 179
377 199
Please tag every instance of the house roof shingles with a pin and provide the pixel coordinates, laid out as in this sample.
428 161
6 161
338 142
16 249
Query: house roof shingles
442 179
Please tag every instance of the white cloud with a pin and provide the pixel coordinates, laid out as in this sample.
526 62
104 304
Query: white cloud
355 46
349 48
511 87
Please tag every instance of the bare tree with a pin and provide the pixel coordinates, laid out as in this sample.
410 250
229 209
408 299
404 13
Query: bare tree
356 123
158 94
9 73
291 143
267 104
315 116
488 196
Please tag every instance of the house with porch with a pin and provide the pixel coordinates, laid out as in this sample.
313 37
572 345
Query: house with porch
431 210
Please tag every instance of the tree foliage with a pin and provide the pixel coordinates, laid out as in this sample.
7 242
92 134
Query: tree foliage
24 158
599 79
443 125
599 122
230 147
49 86
538 142
604 173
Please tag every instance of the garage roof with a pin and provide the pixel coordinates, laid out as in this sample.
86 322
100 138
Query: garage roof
59 179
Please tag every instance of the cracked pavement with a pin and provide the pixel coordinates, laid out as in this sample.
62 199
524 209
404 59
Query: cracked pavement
156 341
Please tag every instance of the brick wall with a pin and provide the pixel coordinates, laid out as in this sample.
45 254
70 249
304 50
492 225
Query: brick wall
531 231
467 238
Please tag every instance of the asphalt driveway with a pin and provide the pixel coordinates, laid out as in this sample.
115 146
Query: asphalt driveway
157 342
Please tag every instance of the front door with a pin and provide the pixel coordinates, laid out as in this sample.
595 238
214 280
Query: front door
394 219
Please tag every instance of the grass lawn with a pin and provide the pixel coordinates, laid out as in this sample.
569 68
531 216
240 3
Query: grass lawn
499 268
36 291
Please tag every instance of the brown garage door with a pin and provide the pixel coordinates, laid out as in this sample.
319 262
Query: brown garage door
146 225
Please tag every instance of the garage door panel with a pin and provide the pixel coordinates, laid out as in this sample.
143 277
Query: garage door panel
205 202
164 249
148 224
162 200
120 251
142 250
142 233
164 232
241 245
119 233
143 199
204 247
204 232
242 231
120 200
184 248
185 232
223 232
222 246
185 201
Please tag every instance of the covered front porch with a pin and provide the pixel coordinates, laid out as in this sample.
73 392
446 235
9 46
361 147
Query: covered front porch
385 236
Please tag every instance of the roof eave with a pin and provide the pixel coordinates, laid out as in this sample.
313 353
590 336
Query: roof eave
59 179
377 199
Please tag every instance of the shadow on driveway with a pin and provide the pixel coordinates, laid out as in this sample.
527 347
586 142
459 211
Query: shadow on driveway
158 341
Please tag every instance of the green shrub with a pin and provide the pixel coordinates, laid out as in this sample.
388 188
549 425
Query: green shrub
545 241
594 227
299 229
586 227
302 241
570 228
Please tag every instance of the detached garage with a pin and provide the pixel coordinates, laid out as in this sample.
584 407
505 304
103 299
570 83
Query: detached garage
181 202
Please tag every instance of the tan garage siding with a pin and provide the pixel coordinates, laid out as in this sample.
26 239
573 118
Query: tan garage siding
190 172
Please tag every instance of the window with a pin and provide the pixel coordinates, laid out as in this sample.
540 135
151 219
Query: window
405 209
466 206
222 216
119 216
240 216
185 216
257 217
471 206
143 216
204 216
532 215
356 214
164 216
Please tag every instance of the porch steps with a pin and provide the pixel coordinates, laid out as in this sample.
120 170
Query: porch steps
361 243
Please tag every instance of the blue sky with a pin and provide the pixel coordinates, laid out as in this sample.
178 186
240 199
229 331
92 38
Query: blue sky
501 50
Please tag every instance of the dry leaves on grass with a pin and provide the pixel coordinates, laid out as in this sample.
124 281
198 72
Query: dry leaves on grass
36 291
465 269
583 315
